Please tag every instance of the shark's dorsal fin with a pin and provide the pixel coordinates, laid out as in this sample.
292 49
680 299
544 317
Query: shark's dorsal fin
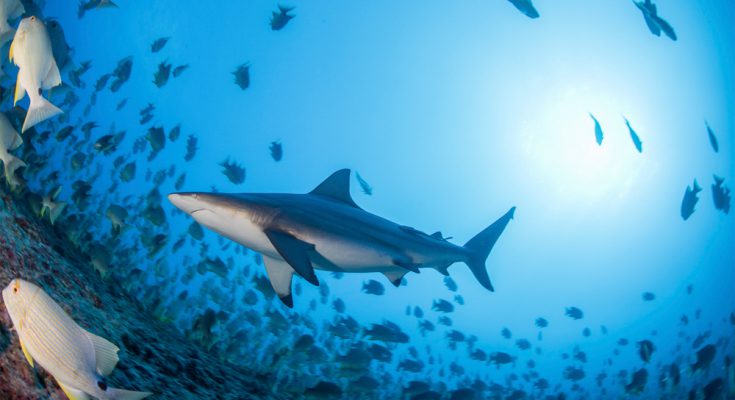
337 188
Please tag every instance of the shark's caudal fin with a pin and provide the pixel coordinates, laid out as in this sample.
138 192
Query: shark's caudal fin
479 248
39 110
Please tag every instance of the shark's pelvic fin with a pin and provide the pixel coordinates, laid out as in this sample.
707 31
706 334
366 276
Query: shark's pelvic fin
337 188
295 252
407 264
280 274
395 277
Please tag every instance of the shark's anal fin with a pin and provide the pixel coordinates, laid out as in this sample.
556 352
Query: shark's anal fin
337 188
408 264
280 274
395 277
295 252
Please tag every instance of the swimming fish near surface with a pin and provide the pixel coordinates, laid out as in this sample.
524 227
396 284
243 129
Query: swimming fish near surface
31 52
77 359
325 229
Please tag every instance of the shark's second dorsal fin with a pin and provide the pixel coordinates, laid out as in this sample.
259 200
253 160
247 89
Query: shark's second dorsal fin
337 188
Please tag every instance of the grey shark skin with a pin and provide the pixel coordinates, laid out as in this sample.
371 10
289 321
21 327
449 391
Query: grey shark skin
325 229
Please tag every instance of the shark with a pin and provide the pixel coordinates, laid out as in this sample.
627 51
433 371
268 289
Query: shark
325 229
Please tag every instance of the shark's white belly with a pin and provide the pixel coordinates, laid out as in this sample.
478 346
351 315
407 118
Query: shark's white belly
333 253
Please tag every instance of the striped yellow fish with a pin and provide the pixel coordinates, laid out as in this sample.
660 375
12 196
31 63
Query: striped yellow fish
77 359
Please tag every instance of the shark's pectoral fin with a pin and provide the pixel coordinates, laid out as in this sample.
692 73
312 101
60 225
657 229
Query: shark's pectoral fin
408 264
280 274
395 277
295 252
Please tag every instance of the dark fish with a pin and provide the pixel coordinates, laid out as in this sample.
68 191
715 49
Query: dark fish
122 73
690 201
638 383
160 78
179 70
280 18
574 374
721 195
102 82
156 137
648 296
526 7
541 322
338 305
705 356
523 344
75 75
127 174
500 358
373 287
444 320
450 284
242 76
191 148
712 138
121 104
233 171
574 313
442 306
276 150
366 188
158 44
174 133
645 350
634 136
655 23
598 130
506 333
418 312
426 326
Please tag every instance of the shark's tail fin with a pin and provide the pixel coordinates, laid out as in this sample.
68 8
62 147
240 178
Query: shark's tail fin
479 248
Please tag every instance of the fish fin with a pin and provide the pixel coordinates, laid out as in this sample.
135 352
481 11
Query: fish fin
105 354
20 91
26 354
407 264
280 275
38 111
72 393
295 252
395 277
480 246
120 394
11 164
10 53
53 77
336 187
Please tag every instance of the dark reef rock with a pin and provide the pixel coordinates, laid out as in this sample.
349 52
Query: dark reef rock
154 355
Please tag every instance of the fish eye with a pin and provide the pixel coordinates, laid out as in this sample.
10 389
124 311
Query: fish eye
33 18
16 287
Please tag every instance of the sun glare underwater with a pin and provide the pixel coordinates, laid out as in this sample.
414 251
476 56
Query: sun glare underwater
486 199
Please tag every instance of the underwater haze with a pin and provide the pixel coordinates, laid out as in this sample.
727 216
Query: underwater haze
447 114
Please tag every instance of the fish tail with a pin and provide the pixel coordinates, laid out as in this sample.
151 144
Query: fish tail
11 164
120 394
479 248
39 110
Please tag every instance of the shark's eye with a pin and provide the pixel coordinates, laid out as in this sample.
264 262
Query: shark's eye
33 18
15 288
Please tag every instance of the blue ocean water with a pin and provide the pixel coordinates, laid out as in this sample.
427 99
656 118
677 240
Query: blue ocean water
453 113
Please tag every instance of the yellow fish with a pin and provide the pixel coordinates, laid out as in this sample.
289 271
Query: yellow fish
77 359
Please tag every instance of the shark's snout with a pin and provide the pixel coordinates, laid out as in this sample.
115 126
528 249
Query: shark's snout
186 202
